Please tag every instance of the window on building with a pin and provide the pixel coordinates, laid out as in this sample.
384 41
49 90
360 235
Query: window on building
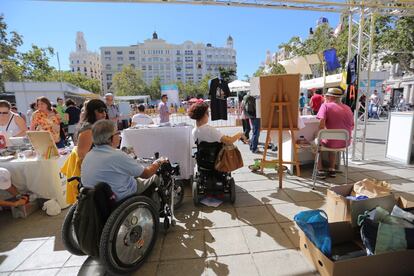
73 69
108 85
108 67
119 67
77 61
119 58
199 52
119 52
209 56
198 66
149 59
149 67
72 62
143 59
131 52
108 77
178 52
107 58
107 52
144 67
78 69
131 58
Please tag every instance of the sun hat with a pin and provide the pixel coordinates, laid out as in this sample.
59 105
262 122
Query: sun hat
5 179
334 92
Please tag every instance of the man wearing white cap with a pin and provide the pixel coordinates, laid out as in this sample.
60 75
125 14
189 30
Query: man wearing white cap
334 115
6 185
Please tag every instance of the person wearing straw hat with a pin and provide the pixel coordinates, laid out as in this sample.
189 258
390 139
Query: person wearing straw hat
334 115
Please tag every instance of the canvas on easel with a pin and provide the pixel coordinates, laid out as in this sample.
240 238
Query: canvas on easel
266 86
43 144
279 96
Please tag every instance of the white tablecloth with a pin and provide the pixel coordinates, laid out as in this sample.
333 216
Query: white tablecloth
172 142
39 176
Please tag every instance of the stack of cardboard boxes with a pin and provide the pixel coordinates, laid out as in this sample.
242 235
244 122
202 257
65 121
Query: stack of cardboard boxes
343 214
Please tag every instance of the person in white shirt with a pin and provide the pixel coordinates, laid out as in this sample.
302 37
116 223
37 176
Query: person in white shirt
141 118
203 132
374 102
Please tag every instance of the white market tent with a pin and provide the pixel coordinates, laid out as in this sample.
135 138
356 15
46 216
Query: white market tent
27 92
238 86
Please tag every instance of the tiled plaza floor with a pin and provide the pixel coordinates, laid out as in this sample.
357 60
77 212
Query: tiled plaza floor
255 236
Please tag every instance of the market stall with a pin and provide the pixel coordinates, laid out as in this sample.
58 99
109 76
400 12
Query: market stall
173 142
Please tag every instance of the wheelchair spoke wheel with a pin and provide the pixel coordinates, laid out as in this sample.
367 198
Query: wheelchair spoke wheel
69 239
178 193
129 235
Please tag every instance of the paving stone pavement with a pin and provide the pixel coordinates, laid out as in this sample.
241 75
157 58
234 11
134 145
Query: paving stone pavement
255 236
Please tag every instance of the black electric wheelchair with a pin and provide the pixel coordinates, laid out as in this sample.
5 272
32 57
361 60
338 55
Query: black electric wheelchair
129 233
207 180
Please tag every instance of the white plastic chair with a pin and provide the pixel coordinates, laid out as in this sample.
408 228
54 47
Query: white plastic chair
332 134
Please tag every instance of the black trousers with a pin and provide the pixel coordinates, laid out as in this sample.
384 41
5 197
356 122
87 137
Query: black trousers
246 127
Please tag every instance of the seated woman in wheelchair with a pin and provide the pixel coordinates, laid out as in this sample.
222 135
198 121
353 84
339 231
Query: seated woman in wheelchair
204 132
104 163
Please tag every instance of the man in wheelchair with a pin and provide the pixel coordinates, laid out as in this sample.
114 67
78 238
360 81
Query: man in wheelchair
104 163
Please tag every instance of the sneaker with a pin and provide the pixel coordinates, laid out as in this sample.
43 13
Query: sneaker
332 173
321 175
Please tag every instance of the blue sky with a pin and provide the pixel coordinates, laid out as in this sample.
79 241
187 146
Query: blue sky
254 30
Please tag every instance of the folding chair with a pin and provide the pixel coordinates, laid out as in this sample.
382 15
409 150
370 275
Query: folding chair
332 134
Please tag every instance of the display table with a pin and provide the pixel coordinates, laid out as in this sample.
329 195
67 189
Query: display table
41 177
400 133
175 143
308 128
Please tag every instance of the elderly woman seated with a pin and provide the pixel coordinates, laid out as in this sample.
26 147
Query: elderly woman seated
334 115
204 132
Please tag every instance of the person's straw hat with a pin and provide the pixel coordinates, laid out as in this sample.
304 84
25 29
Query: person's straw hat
334 92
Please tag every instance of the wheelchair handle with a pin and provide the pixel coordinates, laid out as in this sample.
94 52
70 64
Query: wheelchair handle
74 178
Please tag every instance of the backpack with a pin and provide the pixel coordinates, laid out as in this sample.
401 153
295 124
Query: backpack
250 106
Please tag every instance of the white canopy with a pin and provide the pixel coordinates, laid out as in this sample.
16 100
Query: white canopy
238 85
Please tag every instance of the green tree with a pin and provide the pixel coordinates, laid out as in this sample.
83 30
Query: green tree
227 74
203 88
154 89
77 79
396 40
128 82
35 63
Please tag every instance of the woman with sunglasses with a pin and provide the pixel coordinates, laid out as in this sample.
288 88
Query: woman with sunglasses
93 110
11 123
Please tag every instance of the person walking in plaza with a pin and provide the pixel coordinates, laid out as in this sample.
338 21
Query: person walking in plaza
244 117
72 116
302 103
112 108
141 118
11 123
163 110
60 108
334 115
46 118
374 101
316 101
250 112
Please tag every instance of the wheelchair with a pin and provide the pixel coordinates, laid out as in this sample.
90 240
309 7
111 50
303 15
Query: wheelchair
209 181
129 234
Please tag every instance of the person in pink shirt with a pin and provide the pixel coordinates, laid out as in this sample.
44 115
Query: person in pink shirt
316 102
334 115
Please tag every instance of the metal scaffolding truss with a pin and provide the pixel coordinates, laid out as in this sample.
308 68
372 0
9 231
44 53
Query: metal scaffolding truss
393 7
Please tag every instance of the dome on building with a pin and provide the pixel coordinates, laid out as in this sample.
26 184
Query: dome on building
230 38
322 20
154 35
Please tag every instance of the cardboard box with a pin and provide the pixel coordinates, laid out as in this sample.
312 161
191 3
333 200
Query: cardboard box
339 208
25 210
345 236
406 202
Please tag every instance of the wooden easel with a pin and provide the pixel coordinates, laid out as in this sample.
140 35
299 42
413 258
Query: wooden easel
280 102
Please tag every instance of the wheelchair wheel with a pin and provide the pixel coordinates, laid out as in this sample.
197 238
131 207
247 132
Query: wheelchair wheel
129 235
196 196
178 194
69 239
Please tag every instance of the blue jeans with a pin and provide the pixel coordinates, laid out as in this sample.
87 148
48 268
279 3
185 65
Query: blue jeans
371 112
255 133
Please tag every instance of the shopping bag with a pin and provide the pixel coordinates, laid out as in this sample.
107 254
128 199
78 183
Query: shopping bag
229 159
314 223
